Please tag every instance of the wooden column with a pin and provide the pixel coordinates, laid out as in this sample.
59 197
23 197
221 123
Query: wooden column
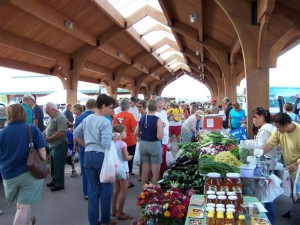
253 40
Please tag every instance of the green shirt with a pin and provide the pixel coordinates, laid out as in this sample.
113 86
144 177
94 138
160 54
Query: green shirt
57 123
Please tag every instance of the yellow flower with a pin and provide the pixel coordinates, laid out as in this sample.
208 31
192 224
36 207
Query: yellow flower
142 195
167 213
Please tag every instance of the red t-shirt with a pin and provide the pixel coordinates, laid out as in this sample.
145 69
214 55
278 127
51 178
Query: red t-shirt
127 120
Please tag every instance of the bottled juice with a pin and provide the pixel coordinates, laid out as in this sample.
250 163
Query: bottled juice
229 219
212 199
220 219
210 219
233 201
242 220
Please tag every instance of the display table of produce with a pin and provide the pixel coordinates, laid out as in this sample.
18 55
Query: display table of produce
253 211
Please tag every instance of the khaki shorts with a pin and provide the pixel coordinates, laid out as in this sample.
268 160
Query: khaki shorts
23 189
151 151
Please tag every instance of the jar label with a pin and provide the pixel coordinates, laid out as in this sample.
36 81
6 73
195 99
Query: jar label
237 189
224 188
212 188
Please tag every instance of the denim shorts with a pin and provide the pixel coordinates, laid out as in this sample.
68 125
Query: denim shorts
151 151
23 189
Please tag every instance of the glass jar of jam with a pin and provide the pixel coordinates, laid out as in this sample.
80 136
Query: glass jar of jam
234 183
221 199
212 199
213 182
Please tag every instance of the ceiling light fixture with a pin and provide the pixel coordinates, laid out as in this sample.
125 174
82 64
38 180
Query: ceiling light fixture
199 67
69 24
197 52
120 54
202 76
193 17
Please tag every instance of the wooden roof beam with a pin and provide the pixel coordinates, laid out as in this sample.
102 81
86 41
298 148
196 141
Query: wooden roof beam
90 80
234 49
166 10
136 17
97 68
110 11
165 41
26 45
109 34
157 27
23 66
50 16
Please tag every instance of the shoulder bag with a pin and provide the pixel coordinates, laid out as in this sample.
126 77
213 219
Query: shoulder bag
35 164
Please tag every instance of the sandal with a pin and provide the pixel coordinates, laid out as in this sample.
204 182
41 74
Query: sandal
33 220
112 222
124 216
113 214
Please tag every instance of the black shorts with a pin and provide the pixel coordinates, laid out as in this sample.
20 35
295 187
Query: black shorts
69 160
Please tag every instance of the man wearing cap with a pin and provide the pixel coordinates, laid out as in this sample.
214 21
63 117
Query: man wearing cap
133 109
28 102
38 116
214 107
227 109
189 126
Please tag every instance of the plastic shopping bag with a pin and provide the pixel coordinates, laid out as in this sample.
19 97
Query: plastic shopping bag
296 194
137 155
271 190
169 159
287 184
111 167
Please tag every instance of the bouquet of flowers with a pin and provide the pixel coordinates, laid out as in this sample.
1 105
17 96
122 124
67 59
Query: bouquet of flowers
163 207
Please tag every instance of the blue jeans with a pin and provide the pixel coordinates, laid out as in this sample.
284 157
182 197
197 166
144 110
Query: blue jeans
97 191
82 167
271 213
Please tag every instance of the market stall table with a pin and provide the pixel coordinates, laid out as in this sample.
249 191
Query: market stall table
246 199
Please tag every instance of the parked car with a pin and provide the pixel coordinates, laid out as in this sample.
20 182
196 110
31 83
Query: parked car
2 115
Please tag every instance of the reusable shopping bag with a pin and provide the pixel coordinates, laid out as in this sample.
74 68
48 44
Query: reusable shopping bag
287 184
296 194
111 167
137 155
169 159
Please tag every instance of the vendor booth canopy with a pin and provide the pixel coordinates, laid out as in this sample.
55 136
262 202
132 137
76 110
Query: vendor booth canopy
59 97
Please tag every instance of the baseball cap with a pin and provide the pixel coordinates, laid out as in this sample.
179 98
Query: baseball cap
214 101
29 96
199 113
226 99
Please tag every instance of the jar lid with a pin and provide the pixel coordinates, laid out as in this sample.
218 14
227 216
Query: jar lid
232 197
211 196
209 209
214 175
211 205
210 215
220 216
229 216
242 217
230 206
220 192
222 197
220 205
230 193
210 192
233 175
232 210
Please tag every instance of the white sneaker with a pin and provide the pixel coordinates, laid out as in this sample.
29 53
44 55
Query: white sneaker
74 173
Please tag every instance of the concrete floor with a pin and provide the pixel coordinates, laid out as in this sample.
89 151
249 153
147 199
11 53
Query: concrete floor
67 207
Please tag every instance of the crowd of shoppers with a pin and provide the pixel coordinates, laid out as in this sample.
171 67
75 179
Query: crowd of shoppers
153 123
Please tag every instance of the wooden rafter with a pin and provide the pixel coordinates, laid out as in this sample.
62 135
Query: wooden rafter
48 15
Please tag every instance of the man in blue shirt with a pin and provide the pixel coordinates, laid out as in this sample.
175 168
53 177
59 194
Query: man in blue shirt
28 102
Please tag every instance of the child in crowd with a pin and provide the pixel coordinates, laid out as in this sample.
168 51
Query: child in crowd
70 153
120 186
